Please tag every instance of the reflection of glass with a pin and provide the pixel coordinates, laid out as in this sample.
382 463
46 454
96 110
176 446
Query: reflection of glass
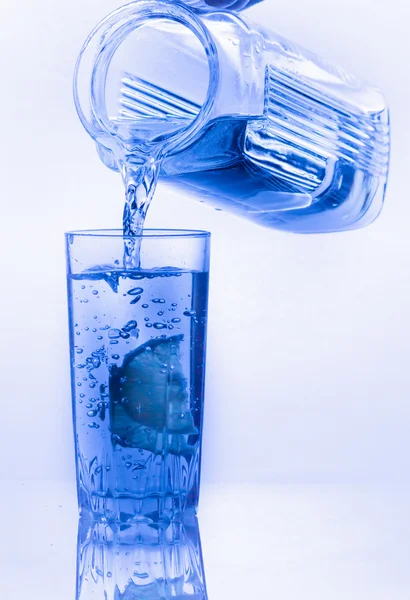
139 562
138 360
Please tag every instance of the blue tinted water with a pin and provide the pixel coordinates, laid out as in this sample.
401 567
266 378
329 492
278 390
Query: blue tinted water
138 352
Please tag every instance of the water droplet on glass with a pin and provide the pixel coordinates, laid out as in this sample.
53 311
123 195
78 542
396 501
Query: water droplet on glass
95 292
79 350
159 326
85 301
115 356
148 324
93 425
124 335
189 313
174 304
145 306
135 300
160 313
109 574
158 300
99 337
176 320
83 287
113 341
82 395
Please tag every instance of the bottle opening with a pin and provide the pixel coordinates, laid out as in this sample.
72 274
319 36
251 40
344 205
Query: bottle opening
152 79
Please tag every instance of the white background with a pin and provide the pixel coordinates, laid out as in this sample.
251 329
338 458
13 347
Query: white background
309 337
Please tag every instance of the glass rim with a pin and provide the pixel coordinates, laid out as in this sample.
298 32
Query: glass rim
146 233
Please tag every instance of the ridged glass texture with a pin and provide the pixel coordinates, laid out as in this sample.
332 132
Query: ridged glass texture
240 117
140 562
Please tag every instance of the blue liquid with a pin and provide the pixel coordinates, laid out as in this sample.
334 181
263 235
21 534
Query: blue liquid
138 356
288 189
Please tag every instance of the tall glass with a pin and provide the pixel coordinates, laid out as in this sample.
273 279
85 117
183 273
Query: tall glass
137 346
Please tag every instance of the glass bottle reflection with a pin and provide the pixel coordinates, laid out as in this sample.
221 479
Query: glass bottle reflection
139 562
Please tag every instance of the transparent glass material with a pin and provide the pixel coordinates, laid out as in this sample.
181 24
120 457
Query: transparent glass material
140 562
208 5
137 347
242 118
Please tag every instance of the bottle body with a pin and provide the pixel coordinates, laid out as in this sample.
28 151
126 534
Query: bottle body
279 137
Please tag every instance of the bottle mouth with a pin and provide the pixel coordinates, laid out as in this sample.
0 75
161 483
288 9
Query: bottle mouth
146 77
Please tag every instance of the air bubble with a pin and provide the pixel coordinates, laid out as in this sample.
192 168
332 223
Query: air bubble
115 356
146 318
114 334
189 313
130 325
174 304
79 350
82 395
113 341
135 291
135 300
85 301
170 327
160 313
86 329
159 325
95 292
124 335
158 300
148 324
93 425
77 333
92 413
99 337
145 306
83 287
176 320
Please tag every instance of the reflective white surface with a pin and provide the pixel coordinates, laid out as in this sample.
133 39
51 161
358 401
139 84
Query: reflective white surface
290 542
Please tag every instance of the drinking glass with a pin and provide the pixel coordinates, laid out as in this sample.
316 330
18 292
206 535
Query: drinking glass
137 348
